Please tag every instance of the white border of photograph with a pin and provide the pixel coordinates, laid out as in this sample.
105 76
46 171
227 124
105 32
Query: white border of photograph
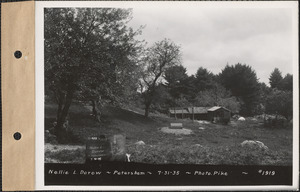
39 76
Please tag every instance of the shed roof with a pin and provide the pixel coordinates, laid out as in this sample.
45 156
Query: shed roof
215 108
178 111
198 110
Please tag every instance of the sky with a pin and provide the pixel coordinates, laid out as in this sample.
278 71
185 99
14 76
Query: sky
213 37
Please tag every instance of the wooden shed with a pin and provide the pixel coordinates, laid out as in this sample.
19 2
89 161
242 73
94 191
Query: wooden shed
179 113
219 114
198 113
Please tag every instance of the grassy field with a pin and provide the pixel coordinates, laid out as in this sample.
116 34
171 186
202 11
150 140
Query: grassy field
208 143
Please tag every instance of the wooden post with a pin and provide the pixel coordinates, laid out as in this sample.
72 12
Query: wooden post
193 113
175 113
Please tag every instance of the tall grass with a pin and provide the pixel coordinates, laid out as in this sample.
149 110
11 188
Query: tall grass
65 156
235 155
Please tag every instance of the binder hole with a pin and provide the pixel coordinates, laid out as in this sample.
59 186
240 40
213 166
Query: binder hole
17 136
18 54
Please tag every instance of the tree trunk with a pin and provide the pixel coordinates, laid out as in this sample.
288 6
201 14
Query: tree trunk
193 114
147 108
96 111
60 130
60 105
181 113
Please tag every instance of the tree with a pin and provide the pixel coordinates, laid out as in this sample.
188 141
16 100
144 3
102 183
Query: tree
176 77
231 103
204 79
218 96
161 56
87 53
280 103
161 98
190 89
275 78
241 80
264 92
286 84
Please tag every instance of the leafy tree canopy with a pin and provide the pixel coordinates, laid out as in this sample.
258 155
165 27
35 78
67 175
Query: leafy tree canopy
280 103
218 96
242 81
90 53
161 56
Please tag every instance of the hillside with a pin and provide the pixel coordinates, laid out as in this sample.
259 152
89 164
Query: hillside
207 144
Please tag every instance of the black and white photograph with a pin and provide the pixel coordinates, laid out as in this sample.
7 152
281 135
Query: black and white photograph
170 93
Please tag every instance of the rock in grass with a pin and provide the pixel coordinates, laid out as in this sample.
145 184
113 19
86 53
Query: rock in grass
203 122
241 119
254 144
140 143
198 145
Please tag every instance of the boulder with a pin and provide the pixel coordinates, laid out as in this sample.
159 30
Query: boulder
241 119
198 145
140 143
254 144
203 122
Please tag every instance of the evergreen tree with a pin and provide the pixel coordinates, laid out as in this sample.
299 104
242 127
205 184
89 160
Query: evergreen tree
275 78
286 84
176 83
204 79
241 80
